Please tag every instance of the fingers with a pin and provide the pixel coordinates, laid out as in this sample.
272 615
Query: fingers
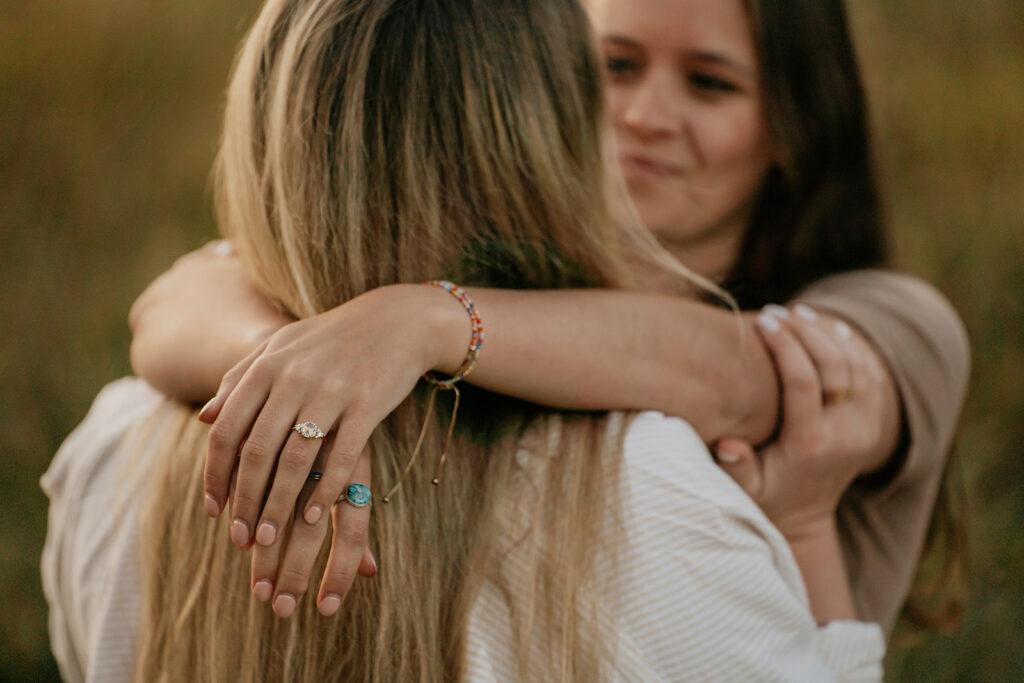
827 343
281 571
342 458
798 376
230 429
293 470
368 564
348 545
213 407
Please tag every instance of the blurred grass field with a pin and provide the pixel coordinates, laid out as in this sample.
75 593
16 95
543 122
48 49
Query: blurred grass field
109 114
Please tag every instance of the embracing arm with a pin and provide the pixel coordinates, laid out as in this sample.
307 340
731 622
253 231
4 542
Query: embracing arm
583 349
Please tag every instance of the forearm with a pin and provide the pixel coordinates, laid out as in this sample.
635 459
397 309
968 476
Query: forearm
187 360
621 351
820 559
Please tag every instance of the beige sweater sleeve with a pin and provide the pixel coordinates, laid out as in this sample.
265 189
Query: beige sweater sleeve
884 520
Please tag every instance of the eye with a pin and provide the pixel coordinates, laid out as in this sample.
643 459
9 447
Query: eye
620 66
711 84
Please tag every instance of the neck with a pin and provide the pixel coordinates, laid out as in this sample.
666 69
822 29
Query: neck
712 257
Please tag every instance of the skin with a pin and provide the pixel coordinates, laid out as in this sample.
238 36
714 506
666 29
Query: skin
670 108
684 96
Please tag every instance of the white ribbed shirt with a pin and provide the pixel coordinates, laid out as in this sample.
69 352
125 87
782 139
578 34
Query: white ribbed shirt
709 587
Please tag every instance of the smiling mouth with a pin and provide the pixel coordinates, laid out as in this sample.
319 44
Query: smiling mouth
637 164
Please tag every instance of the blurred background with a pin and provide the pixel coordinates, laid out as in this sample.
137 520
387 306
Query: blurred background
109 115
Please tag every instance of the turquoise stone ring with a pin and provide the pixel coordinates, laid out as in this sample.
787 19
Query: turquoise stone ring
357 495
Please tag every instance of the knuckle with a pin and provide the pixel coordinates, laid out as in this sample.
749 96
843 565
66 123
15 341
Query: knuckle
353 534
295 459
256 447
295 578
812 442
213 481
344 458
801 381
245 501
221 437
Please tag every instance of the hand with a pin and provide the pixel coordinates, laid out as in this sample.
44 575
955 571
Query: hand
840 418
196 321
344 370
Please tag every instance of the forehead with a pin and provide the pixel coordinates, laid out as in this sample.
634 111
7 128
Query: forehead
681 26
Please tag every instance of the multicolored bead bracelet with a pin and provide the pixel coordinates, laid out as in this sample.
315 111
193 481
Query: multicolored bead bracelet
476 340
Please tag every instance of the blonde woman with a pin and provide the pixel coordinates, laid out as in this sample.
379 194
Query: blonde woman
368 143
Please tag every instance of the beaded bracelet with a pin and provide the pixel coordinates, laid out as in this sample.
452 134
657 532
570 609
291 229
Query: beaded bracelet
475 342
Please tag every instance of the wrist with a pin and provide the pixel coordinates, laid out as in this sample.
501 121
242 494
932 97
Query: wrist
443 327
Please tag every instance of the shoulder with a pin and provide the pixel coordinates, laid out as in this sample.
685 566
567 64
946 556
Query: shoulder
89 564
114 411
903 313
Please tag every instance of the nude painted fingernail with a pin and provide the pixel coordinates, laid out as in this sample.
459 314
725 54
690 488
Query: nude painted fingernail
843 330
284 605
262 590
266 533
806 312
727 458
776 310
239 532
330 604
212 506
312 515
768 323
203 416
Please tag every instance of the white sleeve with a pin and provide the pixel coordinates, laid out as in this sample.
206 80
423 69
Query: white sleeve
711 590
90 568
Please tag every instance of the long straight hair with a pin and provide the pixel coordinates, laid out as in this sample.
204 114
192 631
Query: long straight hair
368 142
820 211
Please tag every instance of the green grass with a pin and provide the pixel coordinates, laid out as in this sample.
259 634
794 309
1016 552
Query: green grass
108 124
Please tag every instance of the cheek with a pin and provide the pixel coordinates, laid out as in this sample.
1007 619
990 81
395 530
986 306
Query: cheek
733 140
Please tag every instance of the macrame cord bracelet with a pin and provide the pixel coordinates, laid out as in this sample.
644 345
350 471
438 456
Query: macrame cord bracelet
472 356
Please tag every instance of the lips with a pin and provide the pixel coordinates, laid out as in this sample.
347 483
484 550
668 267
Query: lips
643 165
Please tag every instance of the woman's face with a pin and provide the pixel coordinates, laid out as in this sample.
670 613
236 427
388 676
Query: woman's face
684 96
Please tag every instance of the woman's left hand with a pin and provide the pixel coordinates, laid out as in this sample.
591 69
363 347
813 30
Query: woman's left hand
840 419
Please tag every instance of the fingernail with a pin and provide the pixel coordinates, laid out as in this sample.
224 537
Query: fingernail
212 506
329 605
806 312
776 310
373 561
266 533
224 248
203 416
284 605
727 458
262 590
312 515
843 330
239 533
768 323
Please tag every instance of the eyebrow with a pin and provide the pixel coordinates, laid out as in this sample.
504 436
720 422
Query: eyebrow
702 55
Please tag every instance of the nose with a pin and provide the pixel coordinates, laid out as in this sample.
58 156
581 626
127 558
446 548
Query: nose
655 107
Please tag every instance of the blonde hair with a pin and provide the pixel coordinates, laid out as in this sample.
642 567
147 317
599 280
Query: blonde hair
368 142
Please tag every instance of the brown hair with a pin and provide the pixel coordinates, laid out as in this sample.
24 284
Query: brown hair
819 211
368 142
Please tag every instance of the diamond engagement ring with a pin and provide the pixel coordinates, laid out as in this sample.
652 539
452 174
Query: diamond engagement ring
357 495
308 430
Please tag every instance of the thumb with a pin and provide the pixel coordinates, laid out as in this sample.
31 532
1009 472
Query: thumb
737 458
